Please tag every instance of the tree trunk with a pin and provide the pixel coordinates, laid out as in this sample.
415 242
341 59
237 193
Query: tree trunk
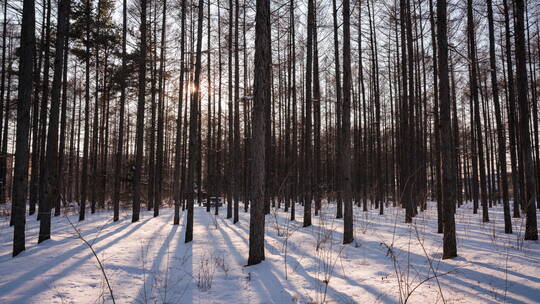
95 133
3 157
20 173
4 191
193 127
529 196
236 149
447 159
44 109
436 125
178 150
294 114
151 143
307 119
140 118
123 76
34 180
219 153
51 168
84 173
63 121
316 119
477 121
230 138
346 127
499 121
161 109
209 182
339 209
262 97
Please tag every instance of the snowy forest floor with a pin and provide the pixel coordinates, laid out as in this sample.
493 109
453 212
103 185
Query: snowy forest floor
148 261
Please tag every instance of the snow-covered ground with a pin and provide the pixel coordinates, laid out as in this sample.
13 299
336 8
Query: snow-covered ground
148 261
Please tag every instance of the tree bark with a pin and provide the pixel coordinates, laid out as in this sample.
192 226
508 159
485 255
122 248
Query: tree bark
193 128
262 97
339 209
178 145
316 118
161 120
51 168
123 76
84 171
3 157
44 108
236 149
529 197
23 125
346 127
477 120
140 118
307 190
501 140
63 122
447 158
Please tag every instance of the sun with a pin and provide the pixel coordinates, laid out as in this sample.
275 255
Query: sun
192 88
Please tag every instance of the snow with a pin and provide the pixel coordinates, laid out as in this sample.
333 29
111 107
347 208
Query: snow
148 261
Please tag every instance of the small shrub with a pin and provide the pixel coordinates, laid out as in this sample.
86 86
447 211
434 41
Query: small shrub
205 276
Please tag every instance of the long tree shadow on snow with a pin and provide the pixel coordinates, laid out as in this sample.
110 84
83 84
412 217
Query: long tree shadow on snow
60 260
